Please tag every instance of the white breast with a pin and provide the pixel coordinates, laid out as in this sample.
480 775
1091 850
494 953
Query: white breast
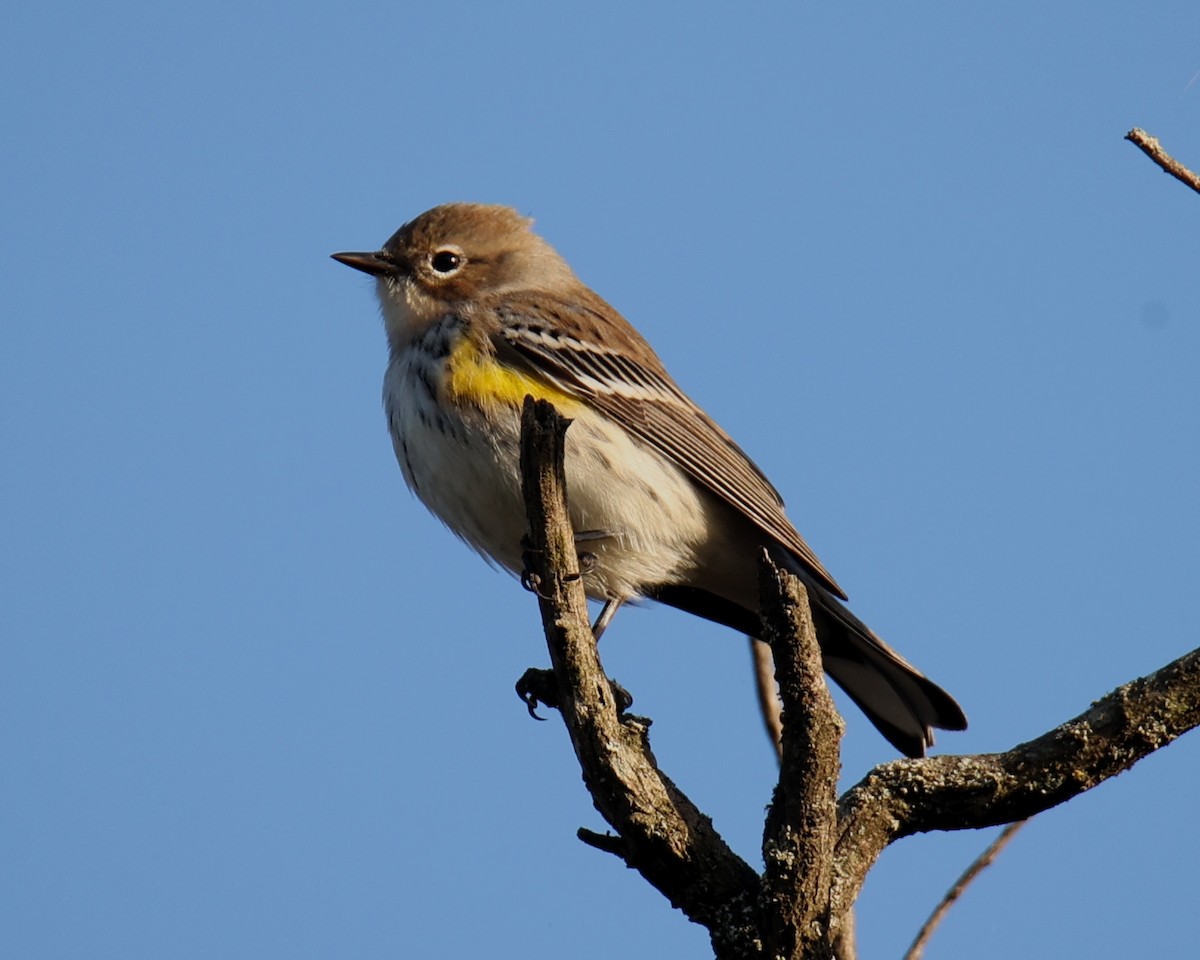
465 469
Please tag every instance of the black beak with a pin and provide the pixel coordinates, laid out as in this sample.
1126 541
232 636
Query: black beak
375 264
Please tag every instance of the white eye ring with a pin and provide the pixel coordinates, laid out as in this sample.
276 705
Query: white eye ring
447 260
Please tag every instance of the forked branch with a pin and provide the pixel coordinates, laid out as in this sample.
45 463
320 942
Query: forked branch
817 852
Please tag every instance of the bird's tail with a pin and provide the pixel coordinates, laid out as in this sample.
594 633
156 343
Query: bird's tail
903 704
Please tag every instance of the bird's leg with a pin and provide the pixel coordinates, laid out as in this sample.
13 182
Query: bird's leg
607 612
622 697
588 561
539 686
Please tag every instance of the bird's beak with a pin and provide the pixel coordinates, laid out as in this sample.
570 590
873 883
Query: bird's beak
373 263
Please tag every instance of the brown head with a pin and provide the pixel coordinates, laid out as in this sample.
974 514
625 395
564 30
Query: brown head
453 254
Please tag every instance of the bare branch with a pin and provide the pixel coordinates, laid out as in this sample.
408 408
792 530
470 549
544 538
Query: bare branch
958 793
802 818
1153 149
661 832
817 850
981 863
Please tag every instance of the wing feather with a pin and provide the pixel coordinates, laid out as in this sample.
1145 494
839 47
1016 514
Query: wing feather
632 387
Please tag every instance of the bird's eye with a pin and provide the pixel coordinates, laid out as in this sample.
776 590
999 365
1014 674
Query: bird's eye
446 261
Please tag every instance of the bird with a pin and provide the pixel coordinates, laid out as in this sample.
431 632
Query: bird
480 312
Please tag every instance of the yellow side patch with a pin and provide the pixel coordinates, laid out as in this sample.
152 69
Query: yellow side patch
476 378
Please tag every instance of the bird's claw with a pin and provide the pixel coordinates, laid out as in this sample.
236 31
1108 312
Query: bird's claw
538 687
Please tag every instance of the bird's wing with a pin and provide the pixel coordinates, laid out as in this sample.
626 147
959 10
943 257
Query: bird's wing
632 387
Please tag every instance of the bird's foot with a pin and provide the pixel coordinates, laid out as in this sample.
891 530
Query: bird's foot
540 688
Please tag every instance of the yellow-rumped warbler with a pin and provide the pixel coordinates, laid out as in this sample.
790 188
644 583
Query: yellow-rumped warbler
480 312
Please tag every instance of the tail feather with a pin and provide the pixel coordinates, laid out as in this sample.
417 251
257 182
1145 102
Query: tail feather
903 704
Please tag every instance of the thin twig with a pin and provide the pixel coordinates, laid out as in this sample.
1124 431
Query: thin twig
769 704
982 862
1153 149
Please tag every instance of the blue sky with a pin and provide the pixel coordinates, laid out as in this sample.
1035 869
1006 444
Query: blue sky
254 702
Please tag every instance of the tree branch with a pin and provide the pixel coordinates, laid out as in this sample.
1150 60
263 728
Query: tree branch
959 793
817 851
802 818
662 833
1153 149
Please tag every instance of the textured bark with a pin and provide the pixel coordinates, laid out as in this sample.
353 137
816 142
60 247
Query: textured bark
817 850
802 818
1153 149
959 793
660 832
